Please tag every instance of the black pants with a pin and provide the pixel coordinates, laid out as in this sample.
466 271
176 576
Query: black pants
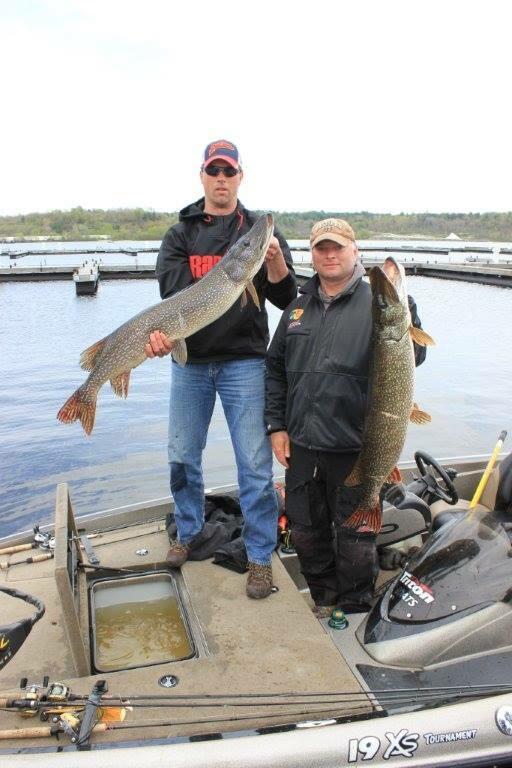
339 565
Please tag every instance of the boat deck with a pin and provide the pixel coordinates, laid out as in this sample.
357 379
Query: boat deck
273 646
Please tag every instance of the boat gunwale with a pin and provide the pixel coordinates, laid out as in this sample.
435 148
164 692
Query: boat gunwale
156 509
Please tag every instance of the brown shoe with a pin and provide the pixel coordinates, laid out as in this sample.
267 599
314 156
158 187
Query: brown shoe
177 554
259 581
323 611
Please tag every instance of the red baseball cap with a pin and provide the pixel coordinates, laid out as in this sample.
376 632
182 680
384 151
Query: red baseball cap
221 150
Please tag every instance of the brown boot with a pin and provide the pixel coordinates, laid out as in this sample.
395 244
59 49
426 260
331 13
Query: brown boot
177 554
259 581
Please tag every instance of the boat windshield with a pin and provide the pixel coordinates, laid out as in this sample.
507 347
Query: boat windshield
467 562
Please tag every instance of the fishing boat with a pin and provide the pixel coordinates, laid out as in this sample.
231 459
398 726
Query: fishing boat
108 657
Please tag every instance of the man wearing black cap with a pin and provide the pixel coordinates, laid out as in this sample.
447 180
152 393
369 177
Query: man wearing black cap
227 357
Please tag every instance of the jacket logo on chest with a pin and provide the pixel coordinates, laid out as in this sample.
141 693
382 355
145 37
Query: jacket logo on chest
200 265
295 316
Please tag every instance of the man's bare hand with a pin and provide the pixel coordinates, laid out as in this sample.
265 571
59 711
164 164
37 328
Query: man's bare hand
277 268
159 345
281 447
274 250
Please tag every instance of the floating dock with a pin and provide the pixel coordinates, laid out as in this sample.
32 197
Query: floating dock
499 274
86 279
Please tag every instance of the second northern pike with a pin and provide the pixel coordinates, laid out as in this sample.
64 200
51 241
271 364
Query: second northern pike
179 316
390 401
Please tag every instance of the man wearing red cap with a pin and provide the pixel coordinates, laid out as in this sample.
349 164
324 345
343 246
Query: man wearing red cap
227 357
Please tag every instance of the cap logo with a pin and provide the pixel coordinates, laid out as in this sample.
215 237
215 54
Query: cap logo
337 228
214 148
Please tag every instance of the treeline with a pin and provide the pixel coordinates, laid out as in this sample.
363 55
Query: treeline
139 224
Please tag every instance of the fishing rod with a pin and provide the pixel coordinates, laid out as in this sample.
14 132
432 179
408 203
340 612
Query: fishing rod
505 687
59 692
28 560
95 717
335 717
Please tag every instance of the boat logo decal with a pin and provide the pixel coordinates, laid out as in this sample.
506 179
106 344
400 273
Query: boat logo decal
168 681
443 738
416 587
4 643
504 719
401 744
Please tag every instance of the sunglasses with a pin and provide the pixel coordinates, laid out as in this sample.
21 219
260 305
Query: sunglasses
216 170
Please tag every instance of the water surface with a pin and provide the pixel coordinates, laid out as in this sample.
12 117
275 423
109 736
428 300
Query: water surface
465 384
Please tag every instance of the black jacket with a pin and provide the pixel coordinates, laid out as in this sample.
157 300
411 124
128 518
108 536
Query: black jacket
318 366
189 250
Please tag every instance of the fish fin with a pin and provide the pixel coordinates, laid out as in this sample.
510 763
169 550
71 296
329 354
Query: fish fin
253 293
418 416
355 476
89 355
243 299
395 476
365 519
421 337
179 352
121 383
81 405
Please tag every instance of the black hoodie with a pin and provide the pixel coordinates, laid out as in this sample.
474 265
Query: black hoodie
318 368
189 250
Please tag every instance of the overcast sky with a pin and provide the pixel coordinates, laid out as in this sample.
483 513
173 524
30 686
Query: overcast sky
376 105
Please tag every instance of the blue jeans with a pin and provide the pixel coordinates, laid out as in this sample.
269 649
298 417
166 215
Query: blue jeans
241 387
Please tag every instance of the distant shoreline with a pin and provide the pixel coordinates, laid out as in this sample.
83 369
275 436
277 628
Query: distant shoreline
84 225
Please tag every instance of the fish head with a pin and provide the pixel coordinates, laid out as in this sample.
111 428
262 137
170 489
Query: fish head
246 256
390 309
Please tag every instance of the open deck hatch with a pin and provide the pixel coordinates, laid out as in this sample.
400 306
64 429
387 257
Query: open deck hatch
137 621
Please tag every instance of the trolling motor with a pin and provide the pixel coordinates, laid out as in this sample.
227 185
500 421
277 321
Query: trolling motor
12 636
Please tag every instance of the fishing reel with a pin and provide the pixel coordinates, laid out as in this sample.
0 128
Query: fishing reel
43 540
37 696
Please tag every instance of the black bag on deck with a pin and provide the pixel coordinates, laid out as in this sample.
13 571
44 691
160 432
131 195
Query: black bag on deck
223 525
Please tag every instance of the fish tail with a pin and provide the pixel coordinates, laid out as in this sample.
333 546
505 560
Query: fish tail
365 519
80 406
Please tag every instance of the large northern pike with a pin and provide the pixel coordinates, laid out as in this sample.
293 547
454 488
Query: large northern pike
179 316
390 401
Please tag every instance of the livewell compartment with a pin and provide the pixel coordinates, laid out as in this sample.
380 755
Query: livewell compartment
137 621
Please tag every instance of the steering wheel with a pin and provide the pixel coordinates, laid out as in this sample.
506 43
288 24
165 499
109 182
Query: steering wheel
424 462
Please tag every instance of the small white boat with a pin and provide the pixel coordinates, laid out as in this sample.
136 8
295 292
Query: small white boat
123 661
86 279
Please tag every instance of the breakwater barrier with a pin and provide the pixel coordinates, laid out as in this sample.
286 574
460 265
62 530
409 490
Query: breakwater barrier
499 274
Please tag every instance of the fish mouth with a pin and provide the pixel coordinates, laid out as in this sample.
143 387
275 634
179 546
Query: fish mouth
393 270
383 288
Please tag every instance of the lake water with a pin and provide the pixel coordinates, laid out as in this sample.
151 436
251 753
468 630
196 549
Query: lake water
465 384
